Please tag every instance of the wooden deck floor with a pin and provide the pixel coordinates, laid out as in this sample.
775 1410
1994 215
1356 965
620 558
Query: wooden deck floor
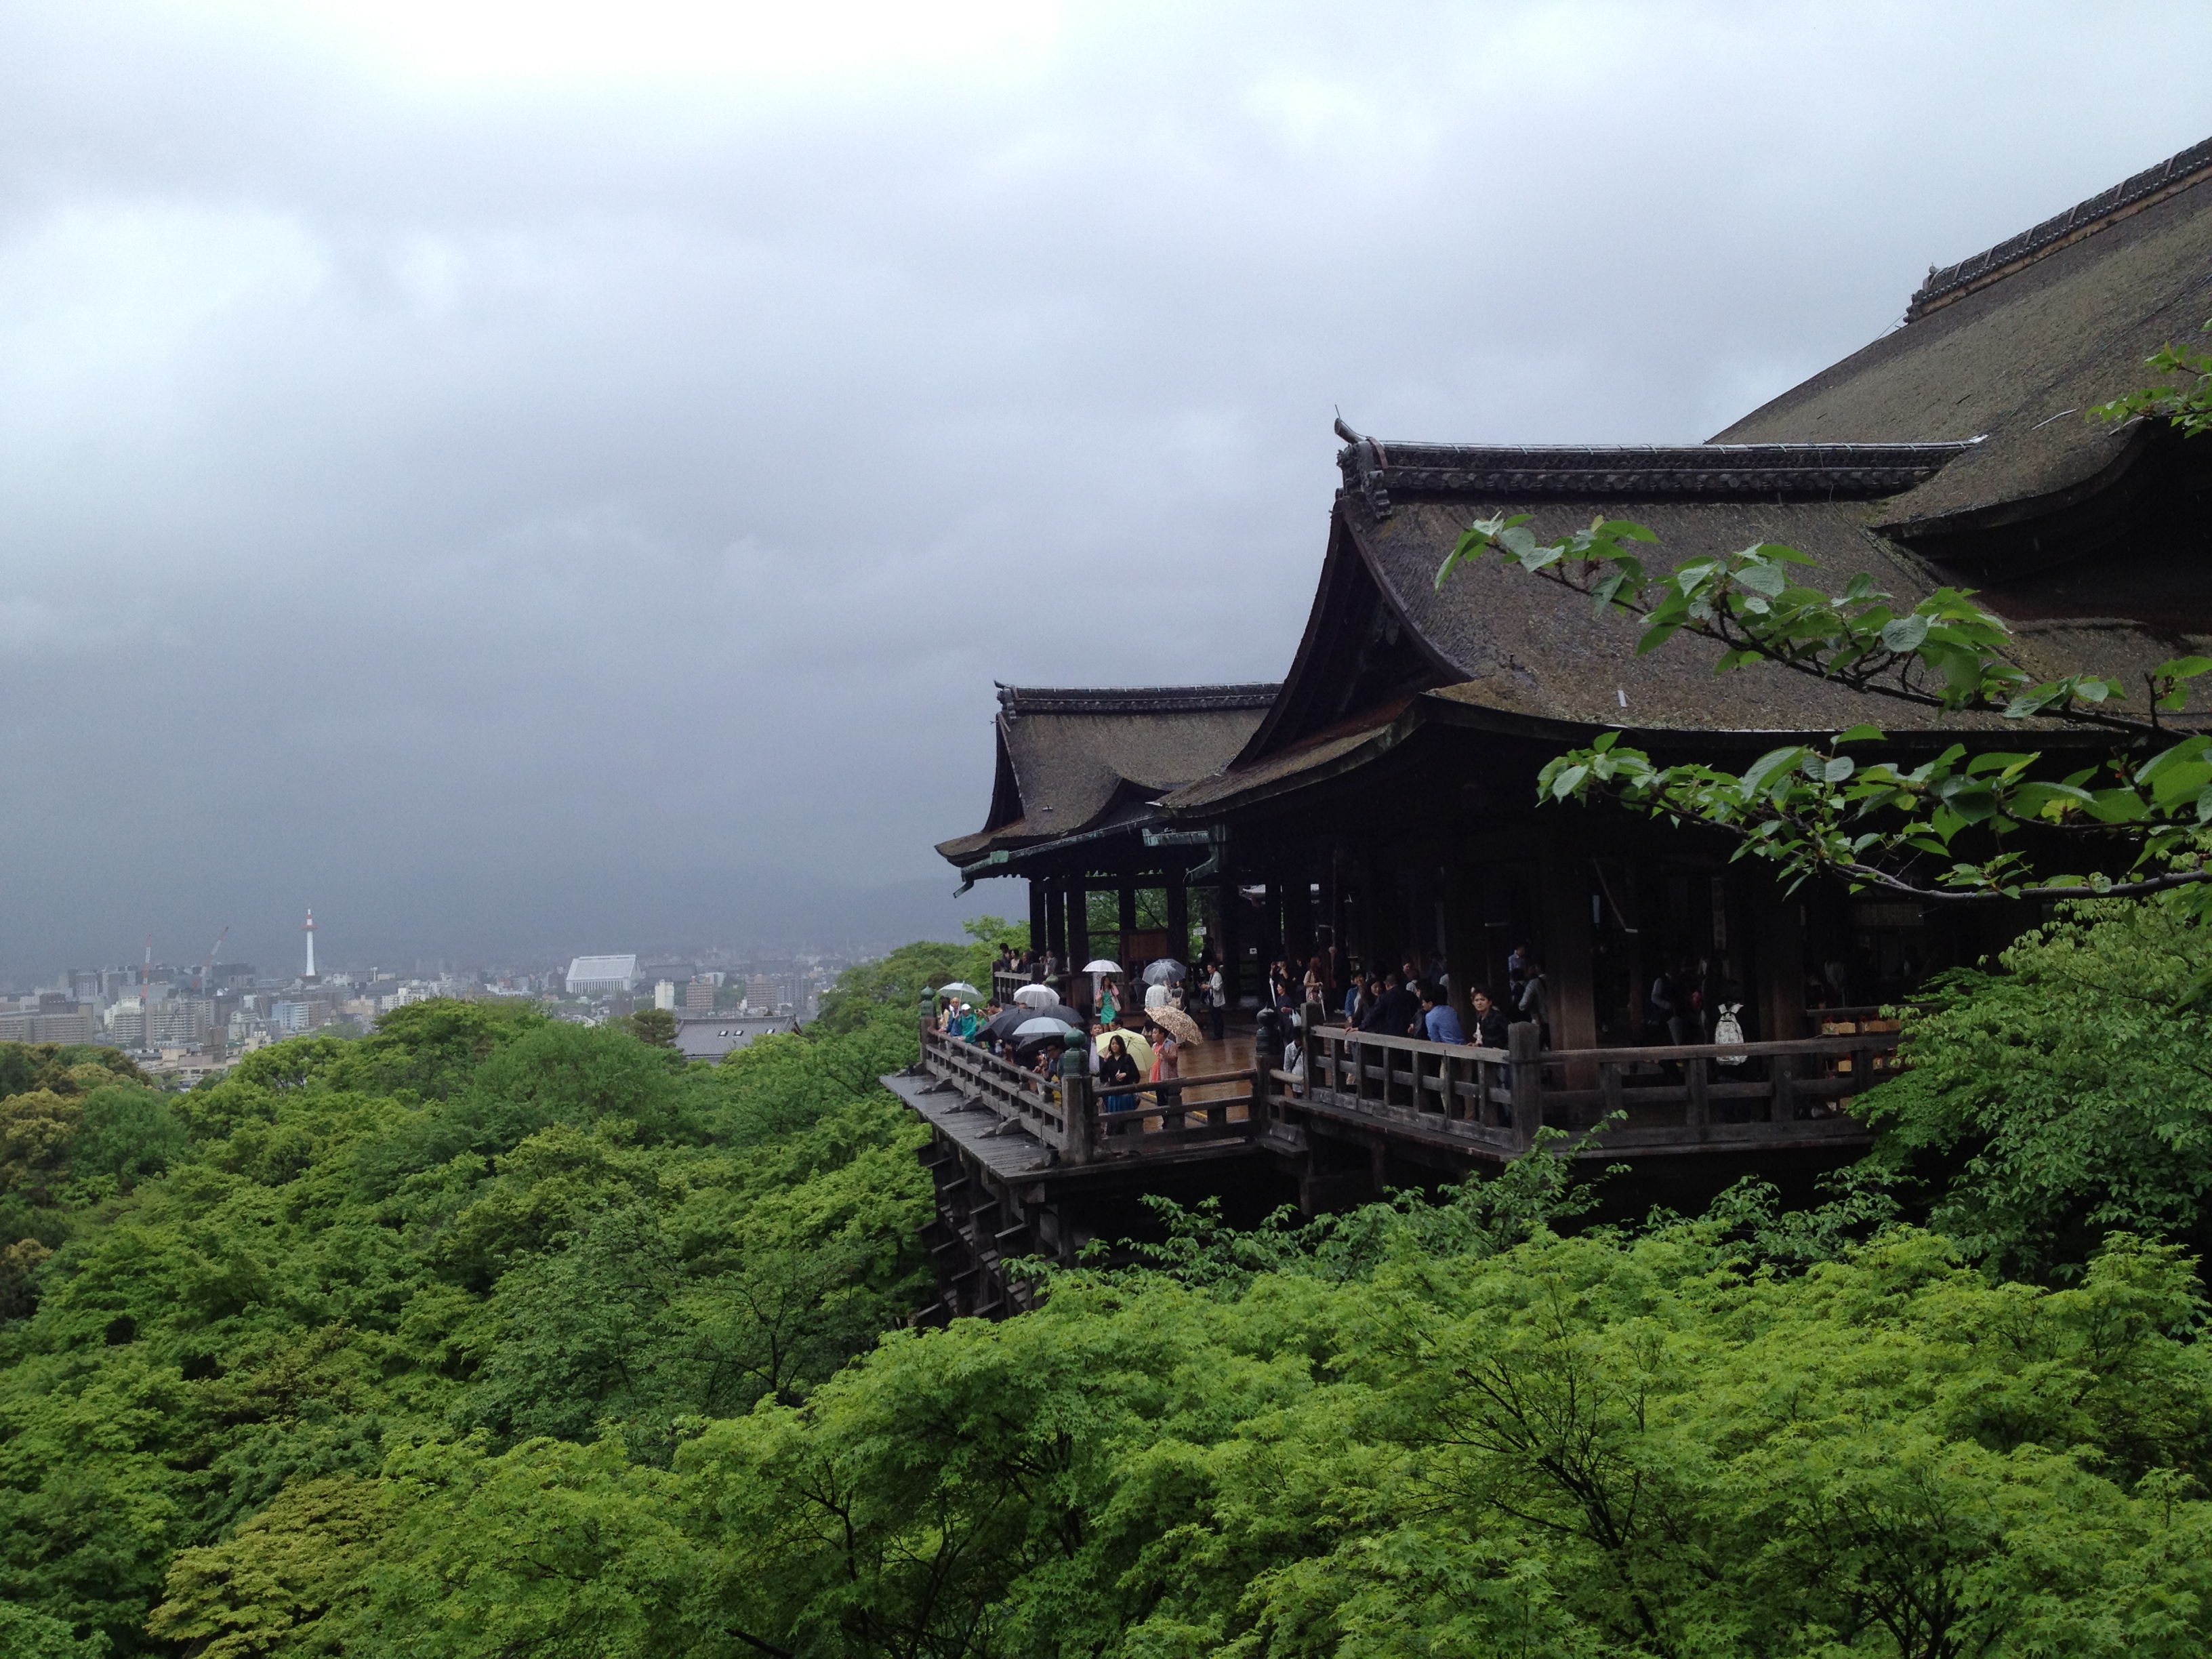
1007 1150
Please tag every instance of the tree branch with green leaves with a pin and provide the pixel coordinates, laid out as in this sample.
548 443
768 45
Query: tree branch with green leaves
1968 822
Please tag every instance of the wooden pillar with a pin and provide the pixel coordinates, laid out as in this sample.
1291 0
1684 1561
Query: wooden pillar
1416 894
1040 921
1359 923
1564 908
1178 915
1075 1098
1079 934
1331 899
1463 940
1126 918
1297 920
1055 916
1775 994
1528 1075
1271 925
1229 936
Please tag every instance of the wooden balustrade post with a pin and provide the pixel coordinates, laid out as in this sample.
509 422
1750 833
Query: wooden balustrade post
1266 1055
1701 1100
1783 1108
1522 1042
1075 1098
1310 1040
928 1024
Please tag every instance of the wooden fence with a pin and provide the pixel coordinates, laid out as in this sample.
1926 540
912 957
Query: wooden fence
1686 1098
1159 1118
1693 1098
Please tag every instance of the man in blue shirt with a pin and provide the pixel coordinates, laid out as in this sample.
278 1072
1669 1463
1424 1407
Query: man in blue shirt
1438 1018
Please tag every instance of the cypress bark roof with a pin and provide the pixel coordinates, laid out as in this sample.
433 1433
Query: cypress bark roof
1955 450
2017 353
1074 759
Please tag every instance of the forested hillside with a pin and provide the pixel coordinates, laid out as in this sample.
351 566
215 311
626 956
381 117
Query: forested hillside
483 1336
237 1311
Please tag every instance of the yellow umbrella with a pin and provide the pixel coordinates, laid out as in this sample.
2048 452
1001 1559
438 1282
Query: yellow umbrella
1140 1050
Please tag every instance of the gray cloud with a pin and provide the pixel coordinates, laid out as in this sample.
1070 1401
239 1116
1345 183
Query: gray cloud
544 510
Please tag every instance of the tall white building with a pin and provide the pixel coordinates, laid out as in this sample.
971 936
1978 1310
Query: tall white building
664 995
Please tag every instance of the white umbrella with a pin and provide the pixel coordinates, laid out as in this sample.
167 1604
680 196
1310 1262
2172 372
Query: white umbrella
1166 971
959 987
1043 1026
1101 965
1037 996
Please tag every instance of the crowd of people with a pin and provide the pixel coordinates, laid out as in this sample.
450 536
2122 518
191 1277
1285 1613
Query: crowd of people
1684 1004
1138 1027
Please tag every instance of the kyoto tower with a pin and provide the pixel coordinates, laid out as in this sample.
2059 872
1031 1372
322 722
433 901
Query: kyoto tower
309 928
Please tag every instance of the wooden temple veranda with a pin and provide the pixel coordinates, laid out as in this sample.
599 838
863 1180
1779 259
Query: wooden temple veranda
1377 806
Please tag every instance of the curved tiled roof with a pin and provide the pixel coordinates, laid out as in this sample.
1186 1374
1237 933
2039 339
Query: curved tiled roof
1134 699
2106 208
1072 759
1381 471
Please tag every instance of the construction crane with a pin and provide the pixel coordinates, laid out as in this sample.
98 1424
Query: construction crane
214 951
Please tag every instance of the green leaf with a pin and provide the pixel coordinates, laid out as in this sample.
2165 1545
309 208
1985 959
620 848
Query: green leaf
2117 807
1838 768
1766 579
1906 634
1861 733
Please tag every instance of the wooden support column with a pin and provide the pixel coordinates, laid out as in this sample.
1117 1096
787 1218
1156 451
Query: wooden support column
1270 940
1055 913
1078 937
1528 1075
1463 939
1126 918
1229 936
1777 991
1178 915
1331 899
1297 920
1040 922
1564 907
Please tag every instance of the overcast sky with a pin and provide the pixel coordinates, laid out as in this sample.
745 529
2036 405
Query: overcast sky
539 477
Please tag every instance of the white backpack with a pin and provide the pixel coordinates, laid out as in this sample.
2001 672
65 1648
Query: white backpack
1728 1029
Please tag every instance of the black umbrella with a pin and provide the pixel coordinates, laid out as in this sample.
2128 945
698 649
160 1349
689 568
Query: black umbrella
1003 1027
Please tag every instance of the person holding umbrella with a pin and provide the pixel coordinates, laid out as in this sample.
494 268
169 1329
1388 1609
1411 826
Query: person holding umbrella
1117 1074
1165 1053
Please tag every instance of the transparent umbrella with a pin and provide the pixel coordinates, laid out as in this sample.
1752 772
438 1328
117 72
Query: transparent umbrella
1036 996
1166 971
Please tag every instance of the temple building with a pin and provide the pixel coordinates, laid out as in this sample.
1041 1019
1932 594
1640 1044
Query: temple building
1378 806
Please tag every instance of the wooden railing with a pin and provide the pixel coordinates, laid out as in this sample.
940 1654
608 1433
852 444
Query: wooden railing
1690 1097
1014 1094
1161 1117
1004 982
1693 1098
